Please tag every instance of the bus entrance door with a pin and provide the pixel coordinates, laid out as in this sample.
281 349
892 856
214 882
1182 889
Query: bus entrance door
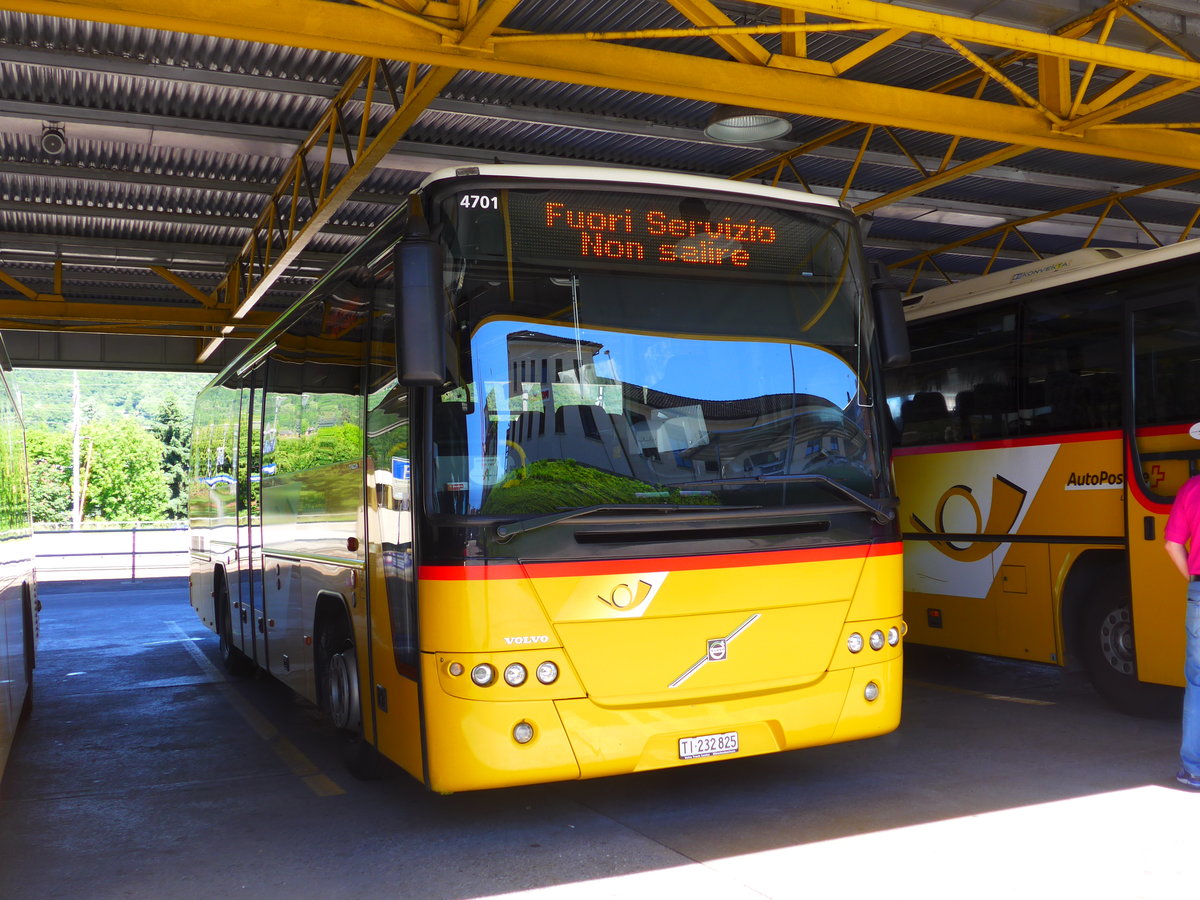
1161 453
251 636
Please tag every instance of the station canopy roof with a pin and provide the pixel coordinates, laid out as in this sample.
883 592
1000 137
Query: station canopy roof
175 175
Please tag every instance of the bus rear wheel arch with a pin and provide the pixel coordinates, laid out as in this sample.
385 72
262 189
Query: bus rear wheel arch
234 660
1107 648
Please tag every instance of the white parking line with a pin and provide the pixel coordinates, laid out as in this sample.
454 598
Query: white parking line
291 755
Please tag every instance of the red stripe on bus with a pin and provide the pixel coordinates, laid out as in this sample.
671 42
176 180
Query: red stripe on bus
1039 441
1163 430
482 572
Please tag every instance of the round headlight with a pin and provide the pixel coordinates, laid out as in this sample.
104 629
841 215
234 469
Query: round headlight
854 643
483 674
515 674
893 636
877 640
871 691
523 733
547 672
456 669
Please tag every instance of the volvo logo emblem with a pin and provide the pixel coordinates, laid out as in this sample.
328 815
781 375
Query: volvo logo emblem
716 650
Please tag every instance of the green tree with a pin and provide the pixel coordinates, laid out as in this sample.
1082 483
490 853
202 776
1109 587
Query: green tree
121 473
124 468
49 475
330 444
552 484
173 431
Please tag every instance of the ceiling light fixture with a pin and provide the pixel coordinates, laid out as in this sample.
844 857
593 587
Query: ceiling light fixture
739 125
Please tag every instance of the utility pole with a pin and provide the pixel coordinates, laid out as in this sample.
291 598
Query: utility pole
76 441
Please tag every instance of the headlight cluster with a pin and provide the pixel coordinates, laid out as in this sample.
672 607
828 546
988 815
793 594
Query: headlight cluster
877 639
515 674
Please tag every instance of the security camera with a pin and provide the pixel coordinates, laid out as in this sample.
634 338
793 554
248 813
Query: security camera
54 142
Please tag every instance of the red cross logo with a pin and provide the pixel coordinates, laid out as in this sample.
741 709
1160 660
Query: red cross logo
1155 476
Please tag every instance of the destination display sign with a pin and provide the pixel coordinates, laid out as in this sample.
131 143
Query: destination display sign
606 228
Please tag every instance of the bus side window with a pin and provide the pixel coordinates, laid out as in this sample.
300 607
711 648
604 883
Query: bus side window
227 400
924 418
1071 347
961 384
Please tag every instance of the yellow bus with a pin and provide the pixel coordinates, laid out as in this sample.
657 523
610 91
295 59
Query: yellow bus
564 473
19 605
1045 423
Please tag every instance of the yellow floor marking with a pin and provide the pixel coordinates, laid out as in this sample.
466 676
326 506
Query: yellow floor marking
1001 697
291 755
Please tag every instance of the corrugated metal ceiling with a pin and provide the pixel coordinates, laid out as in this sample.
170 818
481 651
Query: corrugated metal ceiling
174 141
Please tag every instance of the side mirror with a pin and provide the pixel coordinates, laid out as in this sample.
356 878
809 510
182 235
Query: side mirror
889 319
420 311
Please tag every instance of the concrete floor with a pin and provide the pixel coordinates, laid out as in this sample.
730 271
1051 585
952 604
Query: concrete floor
144 773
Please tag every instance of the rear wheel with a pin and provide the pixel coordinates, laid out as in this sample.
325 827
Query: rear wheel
1109 656
234 660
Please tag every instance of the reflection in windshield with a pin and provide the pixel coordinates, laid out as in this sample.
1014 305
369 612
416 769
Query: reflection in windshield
560 417
613 347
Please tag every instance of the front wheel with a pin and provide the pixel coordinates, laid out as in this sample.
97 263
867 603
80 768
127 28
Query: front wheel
337 668
1110 659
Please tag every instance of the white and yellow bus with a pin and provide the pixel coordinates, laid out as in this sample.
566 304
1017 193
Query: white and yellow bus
18 584
567 472
1047 418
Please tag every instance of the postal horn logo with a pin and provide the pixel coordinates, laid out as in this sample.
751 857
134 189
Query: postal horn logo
1007 500
626 597
633 597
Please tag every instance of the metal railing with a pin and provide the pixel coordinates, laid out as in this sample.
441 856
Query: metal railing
111 549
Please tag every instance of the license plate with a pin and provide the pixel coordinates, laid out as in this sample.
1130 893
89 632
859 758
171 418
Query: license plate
708 745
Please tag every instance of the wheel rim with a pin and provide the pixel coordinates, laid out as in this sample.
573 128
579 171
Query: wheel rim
1116 640
342 689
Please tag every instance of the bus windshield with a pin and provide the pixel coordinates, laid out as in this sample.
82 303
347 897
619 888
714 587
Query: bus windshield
620 348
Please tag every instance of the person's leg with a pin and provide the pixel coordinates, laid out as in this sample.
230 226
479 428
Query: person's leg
1189 751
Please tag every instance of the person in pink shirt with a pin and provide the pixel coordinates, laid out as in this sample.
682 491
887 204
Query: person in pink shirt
1183 546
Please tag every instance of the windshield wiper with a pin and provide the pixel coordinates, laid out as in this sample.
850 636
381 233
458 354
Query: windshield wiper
882 513
507 532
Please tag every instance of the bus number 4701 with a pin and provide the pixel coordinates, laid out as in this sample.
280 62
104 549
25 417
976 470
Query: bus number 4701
479 201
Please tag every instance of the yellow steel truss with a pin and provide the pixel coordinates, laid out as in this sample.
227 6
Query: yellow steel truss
1110 203
1068 113
426 34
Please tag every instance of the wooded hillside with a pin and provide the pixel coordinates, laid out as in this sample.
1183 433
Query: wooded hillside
46 402
128 461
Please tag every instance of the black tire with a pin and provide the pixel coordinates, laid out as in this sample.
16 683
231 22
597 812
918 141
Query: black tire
233 660
340 698
1107 648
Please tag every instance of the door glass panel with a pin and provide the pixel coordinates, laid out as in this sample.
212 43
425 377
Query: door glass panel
390 458
249 507
389 455
1166 363
1166 371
